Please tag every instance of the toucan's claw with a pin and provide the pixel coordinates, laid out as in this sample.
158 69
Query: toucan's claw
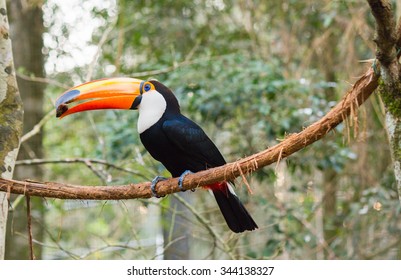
156 180
181 180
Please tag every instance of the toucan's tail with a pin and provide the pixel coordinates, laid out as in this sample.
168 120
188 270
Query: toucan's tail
234 212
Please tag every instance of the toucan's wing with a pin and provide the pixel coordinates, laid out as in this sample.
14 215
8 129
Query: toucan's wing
193 141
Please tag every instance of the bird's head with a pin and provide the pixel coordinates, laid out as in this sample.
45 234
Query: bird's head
117 93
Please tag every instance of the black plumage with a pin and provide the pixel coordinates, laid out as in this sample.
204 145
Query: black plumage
180 145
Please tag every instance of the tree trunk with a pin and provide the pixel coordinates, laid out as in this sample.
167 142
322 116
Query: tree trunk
11 115
26 21
393 124
388 41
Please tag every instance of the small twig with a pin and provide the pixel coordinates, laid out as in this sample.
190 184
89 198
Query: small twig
159 71
206 224
28 212
322 244
108 247
382 251
80 160
36 129
169 244
176 65
42 80
102 40
16 202
61 248
95 171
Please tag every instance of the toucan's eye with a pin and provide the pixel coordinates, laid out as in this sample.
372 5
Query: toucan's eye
147 87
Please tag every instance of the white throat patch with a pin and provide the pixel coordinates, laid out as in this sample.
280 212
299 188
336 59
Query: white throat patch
151 109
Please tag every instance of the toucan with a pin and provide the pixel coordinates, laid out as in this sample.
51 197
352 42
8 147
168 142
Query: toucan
171 138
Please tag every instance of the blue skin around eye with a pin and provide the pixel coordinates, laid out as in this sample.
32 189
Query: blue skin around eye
147 87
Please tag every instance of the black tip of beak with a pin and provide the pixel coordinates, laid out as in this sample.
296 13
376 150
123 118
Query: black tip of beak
61 102
61 109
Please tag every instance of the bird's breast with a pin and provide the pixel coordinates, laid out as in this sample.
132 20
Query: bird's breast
162 149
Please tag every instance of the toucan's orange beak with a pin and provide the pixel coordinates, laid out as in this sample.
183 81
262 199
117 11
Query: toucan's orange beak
113 93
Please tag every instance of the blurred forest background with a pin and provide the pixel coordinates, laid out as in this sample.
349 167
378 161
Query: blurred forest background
249 72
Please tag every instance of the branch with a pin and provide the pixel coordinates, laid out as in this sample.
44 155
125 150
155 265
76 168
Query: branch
374 256
361 90
85 161
103 39
36 129
385 31
42 80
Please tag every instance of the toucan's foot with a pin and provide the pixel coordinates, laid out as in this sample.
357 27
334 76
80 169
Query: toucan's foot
156 180
181 180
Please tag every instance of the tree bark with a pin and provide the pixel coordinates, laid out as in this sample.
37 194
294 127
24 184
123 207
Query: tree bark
388 41
11 115
393 124
26 22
